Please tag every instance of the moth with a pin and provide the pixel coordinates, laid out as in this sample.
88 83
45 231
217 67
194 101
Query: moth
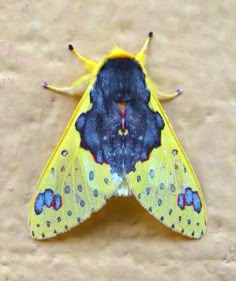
118 142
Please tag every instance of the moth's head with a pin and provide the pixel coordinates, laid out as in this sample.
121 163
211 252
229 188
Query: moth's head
118 53
140 56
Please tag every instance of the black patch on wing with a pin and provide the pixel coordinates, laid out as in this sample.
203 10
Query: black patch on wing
120 80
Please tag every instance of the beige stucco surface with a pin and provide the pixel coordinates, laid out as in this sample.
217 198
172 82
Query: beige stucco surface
194 48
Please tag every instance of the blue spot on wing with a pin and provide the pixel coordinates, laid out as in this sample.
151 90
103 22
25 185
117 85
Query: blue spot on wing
181 201
57 201
151 174
48 197
38 205
196 202
64 152
188 196
91 175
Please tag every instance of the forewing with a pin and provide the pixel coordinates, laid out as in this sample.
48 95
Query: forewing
166 184
72 185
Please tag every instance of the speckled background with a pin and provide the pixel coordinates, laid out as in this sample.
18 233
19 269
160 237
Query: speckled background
193 47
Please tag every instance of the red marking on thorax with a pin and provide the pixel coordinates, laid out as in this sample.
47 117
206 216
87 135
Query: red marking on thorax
122 114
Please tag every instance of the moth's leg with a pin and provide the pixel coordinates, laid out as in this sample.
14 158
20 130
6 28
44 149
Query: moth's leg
75 88
89 64
164 96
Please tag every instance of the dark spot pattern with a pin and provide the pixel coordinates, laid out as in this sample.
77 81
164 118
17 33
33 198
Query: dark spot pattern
170 212
63 168
67 189
69 213
188 196
39 203
151 174
59 219
64 152
48 223
196 202
172 188
106 180
138 178
79 187
95 193
162 186
91 175
82 203
159 201
148 190
52 172
174 152
48 197
57 202
181 201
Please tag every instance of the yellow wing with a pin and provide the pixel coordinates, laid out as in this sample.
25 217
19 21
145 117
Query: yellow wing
166 184
72 185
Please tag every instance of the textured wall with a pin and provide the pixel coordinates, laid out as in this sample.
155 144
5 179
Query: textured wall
193 47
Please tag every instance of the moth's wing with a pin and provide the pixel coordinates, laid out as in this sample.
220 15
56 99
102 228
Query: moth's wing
72 185
166 184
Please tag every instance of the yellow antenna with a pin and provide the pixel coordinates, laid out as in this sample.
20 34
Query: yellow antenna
140 56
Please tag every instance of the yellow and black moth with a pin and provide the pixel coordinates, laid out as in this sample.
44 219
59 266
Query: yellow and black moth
118 142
